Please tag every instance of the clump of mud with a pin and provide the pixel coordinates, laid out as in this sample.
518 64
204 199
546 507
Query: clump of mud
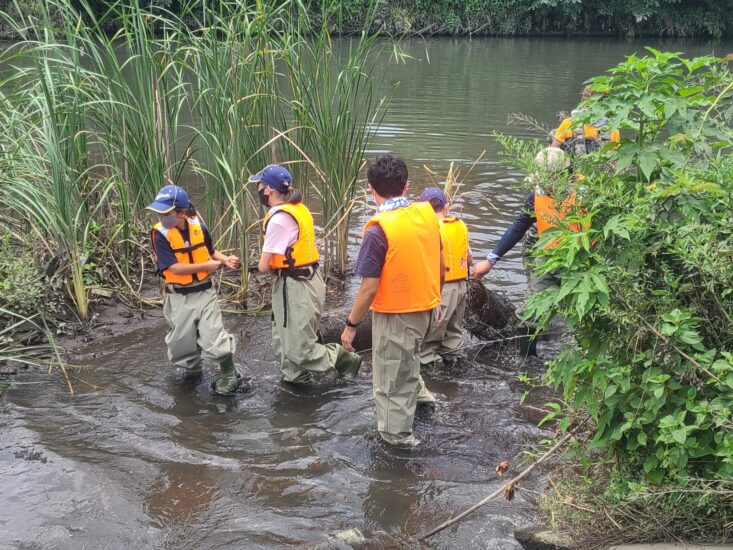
489 315
333 325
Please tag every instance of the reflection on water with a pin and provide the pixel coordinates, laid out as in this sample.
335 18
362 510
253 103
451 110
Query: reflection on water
143 458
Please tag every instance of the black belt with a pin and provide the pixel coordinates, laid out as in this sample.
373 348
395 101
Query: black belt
172 289
305 273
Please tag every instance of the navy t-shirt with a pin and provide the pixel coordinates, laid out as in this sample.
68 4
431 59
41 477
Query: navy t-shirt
164 252
373 253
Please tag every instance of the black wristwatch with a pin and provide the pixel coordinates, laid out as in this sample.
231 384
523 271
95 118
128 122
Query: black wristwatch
350 324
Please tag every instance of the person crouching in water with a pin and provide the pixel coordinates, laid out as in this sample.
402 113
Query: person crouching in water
401 266
444 341
299 292
186 258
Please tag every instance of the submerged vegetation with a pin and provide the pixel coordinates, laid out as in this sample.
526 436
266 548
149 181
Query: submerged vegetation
646 286
95 123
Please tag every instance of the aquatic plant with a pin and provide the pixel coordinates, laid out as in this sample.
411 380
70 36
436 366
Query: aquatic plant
238 110
48 188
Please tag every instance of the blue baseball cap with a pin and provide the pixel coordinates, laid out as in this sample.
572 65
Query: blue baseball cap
274 176
168 198
434 193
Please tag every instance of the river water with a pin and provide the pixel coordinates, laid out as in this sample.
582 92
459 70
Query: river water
141 458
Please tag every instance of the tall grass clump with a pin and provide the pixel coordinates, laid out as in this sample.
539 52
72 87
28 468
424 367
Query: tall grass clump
140 95
335 104
237 109
48 191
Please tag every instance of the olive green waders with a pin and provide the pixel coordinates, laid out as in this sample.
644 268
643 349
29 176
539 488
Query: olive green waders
196 328
297 306
396 341
445 339
535 284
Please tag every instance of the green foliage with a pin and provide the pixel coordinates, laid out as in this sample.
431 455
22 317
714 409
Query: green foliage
648 283
670 17
496 17
21 288
93 124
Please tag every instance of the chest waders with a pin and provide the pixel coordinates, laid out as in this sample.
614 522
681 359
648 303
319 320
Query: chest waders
305 273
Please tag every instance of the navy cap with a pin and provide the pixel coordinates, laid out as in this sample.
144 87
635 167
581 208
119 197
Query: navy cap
168 198
274 176
434 193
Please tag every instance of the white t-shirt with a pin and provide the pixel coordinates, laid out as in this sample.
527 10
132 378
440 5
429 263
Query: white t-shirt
282 232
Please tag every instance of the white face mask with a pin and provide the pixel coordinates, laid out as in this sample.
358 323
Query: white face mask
169 221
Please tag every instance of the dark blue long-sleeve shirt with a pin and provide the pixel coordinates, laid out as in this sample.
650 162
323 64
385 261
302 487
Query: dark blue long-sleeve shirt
516 231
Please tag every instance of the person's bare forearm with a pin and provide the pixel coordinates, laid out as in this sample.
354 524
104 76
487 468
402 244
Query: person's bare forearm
189 269
264 264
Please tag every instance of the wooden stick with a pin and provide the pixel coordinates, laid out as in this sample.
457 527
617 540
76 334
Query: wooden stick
499 491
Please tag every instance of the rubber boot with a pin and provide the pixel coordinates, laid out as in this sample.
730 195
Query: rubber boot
229 378
424 395
347 363
193 373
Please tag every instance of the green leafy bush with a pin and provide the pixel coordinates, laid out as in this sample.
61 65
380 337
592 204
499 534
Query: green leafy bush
647 285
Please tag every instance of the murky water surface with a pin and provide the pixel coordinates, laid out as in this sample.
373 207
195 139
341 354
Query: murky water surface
140 457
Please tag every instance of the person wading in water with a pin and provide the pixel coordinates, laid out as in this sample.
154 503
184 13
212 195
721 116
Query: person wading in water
186 258
541 208
299 293
402 269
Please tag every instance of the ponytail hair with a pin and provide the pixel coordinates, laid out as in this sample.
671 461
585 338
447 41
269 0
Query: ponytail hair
294 196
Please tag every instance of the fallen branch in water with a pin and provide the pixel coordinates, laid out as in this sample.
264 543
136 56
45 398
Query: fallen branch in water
507 487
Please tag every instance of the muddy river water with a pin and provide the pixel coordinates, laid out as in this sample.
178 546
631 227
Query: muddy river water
142 458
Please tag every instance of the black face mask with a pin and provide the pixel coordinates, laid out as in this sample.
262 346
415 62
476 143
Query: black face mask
263 198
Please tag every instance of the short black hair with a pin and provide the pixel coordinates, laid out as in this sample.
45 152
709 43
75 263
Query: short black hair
388 176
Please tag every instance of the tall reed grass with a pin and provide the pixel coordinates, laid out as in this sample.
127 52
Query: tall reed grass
95 123
334 100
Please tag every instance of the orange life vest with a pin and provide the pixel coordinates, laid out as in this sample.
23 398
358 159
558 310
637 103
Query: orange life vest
410 279
303 251
548 215
454 234
193 252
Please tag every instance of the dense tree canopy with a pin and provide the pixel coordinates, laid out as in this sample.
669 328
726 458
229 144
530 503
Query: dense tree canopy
505 17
